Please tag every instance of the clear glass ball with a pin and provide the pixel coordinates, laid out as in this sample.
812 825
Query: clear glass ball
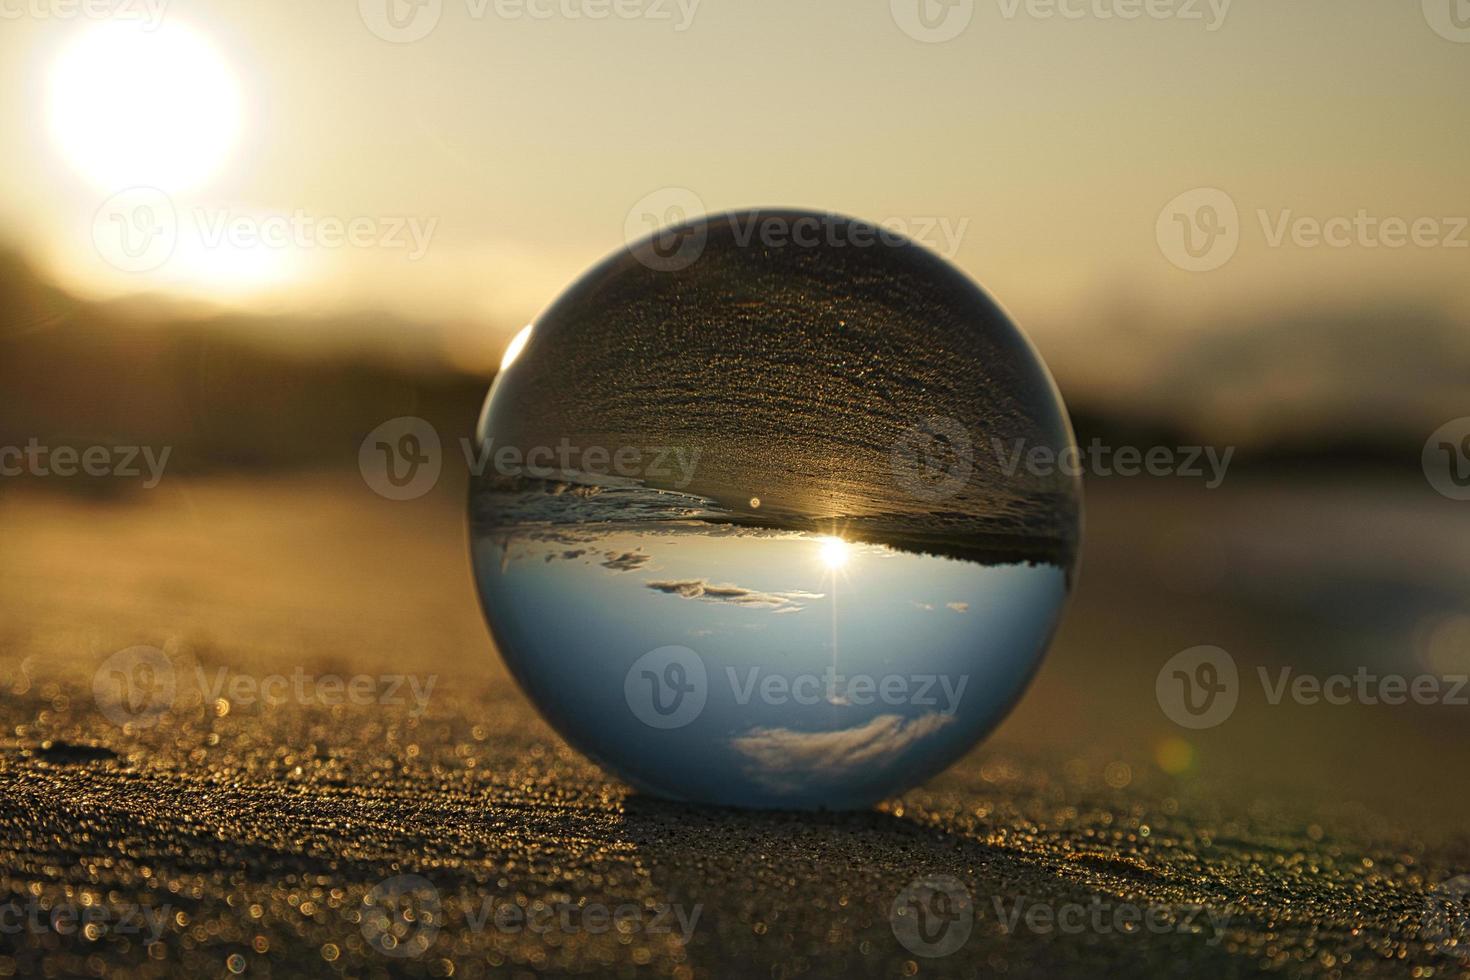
773 509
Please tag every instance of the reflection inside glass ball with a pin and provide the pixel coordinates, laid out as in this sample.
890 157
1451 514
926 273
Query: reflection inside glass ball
766 518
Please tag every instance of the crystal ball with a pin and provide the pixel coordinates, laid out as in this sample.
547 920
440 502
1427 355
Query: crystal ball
772 509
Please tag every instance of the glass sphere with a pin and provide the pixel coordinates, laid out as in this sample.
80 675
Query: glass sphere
773 509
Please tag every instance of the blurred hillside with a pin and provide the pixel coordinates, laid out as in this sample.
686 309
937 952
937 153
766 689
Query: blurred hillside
227 390
223 390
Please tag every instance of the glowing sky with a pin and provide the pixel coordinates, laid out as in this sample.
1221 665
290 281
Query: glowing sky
471 173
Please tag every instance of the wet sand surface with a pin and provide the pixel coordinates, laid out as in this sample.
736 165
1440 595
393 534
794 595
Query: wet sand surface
244 835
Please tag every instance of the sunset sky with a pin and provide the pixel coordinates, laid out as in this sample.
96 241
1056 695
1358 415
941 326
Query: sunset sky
1038 146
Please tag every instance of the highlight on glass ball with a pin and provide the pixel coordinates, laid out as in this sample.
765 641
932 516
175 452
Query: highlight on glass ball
762 523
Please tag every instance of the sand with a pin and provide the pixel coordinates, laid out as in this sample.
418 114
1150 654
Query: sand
245 835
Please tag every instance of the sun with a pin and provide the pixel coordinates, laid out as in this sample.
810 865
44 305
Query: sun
834 551
132 107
